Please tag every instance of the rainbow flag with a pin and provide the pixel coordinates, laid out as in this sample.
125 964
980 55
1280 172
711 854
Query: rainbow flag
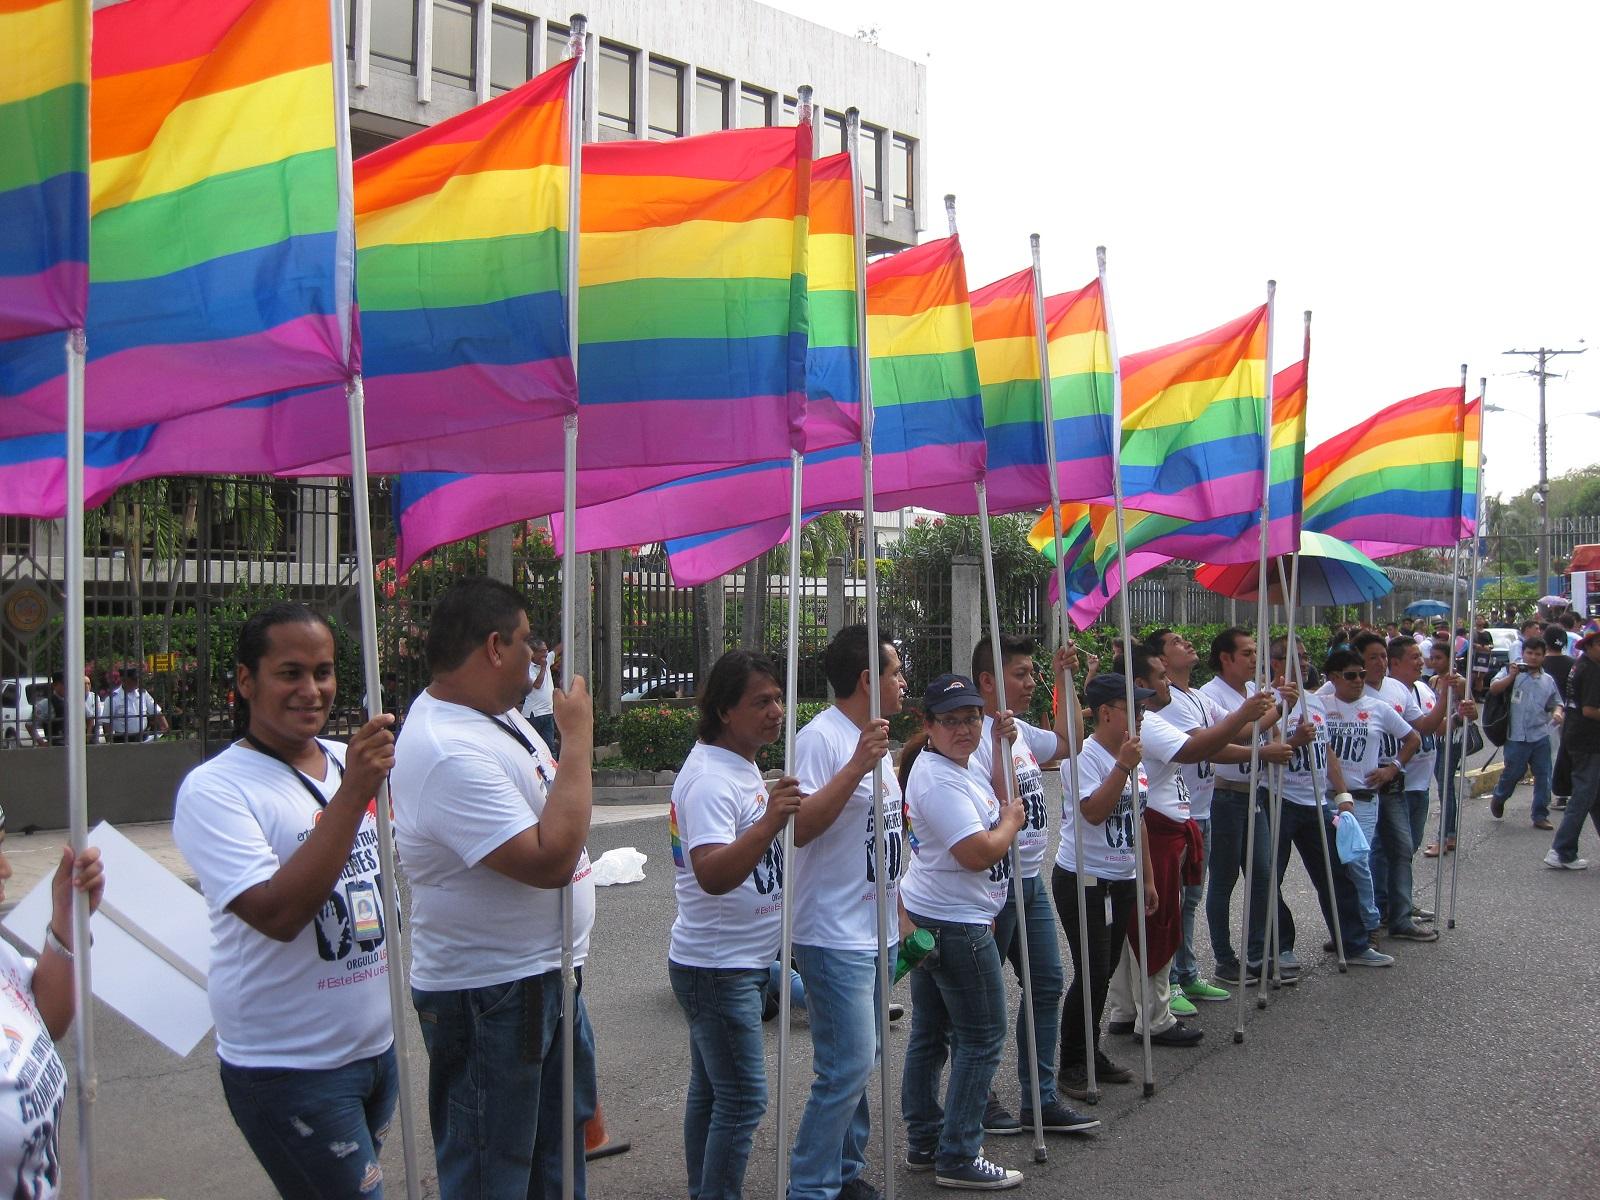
928 427
1471 463
1394 482
1192 422
44 172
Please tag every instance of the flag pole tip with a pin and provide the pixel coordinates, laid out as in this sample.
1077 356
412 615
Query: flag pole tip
1272 285
578 18
1308 314
1033 240
803 93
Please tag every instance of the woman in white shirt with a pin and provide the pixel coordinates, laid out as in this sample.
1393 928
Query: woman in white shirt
281 828
960 874
725 822
36 1007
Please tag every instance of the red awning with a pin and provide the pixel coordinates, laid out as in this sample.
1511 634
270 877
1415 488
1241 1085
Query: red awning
1585 558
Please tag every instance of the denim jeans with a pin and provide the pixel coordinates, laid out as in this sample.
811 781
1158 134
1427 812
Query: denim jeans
1105 950
1229 835
958 1012
1047 977
1417 813
1447 788
1584 803
494 1087
317 1134
1185 967
1391 866
727 1074
1519 757
1297 830
1360 869
830 1145
545 726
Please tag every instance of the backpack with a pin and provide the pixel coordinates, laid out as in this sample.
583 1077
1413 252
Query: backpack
1497 715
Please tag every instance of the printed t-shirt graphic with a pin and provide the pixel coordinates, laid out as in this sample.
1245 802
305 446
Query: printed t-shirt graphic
947 804
33 1082
1108 848
1032 746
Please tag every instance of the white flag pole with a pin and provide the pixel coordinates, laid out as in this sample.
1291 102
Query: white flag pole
875 712
1042 337
1126 621
1263 632
1472 624
366 592
1450 696
571 1133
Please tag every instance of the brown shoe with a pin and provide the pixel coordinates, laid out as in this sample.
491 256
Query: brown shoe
1543 825
1432 851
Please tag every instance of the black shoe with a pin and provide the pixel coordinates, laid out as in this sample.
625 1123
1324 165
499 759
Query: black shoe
1178 1035
997 1120
1107 1070
1058 1118
1328 947
896 1010
919 1160
1119 1027
1559 802
1074 1081
859 1189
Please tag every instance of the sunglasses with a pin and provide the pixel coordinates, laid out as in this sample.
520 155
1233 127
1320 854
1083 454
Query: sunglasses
1352 675
953 721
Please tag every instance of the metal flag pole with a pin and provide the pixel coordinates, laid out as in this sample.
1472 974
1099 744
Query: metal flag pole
1290 590
1472 623
1450 695
1042 337
880 862
1133 712
571 1134
367 596
790 701
77 735
1263 632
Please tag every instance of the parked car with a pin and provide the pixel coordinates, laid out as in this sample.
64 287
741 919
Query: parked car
647 677
16 709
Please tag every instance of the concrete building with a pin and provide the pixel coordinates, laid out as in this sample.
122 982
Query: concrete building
661 69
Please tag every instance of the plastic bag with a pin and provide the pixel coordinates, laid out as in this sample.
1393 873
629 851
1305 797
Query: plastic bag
1352 841
622 865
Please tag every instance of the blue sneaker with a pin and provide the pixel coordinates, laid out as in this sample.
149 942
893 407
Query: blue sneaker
1370 958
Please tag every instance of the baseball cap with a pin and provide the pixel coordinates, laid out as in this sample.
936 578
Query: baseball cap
1111 687
948 692
1588 638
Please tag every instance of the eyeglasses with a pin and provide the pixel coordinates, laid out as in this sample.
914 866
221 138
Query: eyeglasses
1352 676
953 721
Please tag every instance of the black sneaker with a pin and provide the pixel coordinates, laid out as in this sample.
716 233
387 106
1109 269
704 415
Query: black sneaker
1120 1028
1074 1081
1058 1118
1414 933
896 1010
1107 1070
1226 974
979 1175
859 1189
919 1160
1178 1035
997 1120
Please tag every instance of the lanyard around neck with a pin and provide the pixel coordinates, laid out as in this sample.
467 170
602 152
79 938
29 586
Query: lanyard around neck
306 781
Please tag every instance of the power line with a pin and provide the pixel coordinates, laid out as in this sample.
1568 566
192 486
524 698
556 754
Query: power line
1542 495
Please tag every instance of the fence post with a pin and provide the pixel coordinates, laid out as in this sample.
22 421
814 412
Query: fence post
1177 584
498 544
710 618
754 613
966 610
583 622
835 596
608 637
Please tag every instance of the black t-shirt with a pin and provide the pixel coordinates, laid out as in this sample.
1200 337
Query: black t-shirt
1584 737
1559 668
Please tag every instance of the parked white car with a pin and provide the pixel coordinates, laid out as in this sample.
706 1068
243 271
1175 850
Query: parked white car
16 709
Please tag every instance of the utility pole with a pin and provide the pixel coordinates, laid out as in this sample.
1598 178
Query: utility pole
1542 495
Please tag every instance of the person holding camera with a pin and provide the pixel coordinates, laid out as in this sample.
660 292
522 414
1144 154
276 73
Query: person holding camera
1536 713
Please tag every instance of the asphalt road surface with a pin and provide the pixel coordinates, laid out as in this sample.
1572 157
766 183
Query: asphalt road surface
1471 1069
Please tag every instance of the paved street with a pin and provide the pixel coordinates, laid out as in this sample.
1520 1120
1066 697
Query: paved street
1468 1070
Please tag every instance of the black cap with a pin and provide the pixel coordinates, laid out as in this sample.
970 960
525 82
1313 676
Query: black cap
1111 687
948 692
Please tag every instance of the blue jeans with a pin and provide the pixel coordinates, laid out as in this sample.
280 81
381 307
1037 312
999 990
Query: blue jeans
1417 811
1228 837
316 1133
1391 865
1045 973
1519 756
1585 802
1185 967
958 1012
727 1074
1297 830
545 726
1447 788
1361 869
830 1145
494 1087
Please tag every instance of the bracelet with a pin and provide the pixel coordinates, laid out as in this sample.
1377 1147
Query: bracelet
52 942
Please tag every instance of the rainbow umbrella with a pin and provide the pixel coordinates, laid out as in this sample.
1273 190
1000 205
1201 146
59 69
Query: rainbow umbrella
1331 572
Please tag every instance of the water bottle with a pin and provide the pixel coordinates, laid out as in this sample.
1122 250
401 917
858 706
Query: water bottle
913 950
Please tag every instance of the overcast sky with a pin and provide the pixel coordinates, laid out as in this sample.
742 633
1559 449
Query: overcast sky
1421 175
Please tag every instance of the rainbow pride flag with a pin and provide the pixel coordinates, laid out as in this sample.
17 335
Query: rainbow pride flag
1471 463
1394 482
1192 422
928 426
44 172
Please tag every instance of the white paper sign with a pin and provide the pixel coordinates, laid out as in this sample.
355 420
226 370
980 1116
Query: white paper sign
139 982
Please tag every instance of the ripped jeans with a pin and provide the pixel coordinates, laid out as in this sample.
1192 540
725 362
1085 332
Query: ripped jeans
317 1133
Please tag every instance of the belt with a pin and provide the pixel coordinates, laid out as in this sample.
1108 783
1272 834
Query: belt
1234 790
1364 794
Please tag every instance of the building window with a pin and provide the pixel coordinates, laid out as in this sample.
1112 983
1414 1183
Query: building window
455 43
755 108
349 27
901 165
557 41
666 100
871 173
394 32
833 140
710 103
616 105
791 111
510 51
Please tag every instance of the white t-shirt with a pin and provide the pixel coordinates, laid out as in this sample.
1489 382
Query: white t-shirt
1357 732
462 788
131 714
1032 746
33 1082
1419 771
540 701
715 799
1108 849
836 902
1162 742
944 805
317 1002
1309 765
1400 698
1191 710
1235 775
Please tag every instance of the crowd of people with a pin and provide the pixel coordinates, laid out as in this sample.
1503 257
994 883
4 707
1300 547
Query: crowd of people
116 709
281 829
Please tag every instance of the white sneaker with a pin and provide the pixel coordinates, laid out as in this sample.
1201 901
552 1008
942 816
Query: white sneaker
1552 859
1370 958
